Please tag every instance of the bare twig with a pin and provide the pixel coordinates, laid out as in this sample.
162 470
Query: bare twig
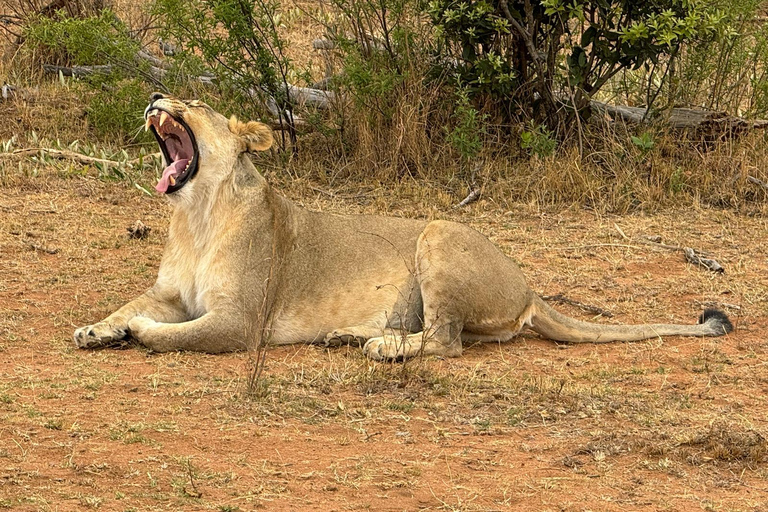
697 258
64 154
562 299
691 255
759 183
195 492
473 196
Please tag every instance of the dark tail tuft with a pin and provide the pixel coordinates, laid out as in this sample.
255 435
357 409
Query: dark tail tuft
717 319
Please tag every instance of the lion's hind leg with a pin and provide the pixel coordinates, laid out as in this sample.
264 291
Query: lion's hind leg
392 347
469 289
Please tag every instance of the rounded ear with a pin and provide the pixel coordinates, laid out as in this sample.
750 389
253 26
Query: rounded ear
255 136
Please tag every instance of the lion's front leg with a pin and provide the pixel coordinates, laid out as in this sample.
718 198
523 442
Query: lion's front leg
214 332
115 327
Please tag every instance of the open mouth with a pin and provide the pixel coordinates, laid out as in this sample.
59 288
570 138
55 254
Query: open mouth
178 146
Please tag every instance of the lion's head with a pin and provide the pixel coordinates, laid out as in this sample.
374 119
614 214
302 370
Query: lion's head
195 139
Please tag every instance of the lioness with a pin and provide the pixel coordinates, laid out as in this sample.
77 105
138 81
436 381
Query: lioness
238 252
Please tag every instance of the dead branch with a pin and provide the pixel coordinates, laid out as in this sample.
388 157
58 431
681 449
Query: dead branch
323 44
64 154
8 92
77 71
155 61
705 123
697 258
303 96
759 183
691 255
562 299
473 196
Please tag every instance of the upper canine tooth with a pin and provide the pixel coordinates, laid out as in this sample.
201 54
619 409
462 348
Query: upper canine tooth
148 123
163 117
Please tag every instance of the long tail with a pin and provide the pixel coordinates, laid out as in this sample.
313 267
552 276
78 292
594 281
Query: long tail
558 327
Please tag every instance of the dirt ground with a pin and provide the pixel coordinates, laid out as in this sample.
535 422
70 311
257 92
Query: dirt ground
672 424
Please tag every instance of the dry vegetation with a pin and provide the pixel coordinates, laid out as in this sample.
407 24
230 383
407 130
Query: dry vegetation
672 424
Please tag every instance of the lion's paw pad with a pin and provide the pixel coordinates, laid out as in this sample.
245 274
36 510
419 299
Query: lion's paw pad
98 335
340 338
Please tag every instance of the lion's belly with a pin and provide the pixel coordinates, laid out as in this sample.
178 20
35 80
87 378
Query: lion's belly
378 307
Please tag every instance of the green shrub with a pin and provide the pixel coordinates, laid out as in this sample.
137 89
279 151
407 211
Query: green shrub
101 39
116 98
239 42
466 135
537 140
118 110
545 60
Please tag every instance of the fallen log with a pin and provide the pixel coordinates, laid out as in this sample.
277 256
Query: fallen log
78 71
758 182
473 196
303 96
707 124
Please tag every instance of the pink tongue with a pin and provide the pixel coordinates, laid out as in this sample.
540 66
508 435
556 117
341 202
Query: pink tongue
172 170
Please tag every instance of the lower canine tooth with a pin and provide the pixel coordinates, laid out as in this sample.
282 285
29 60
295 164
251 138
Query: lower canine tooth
173 180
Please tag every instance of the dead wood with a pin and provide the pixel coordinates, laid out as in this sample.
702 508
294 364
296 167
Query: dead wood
8 92
562 299
707 124
42 248
759 183
77 71
473 196
64 154
697 258
691 255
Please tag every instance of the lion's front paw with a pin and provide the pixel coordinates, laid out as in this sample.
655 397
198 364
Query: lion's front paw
98 335
339 338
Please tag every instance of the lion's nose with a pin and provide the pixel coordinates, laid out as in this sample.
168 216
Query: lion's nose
156 96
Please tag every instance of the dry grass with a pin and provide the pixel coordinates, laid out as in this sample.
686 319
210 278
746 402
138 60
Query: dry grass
672 424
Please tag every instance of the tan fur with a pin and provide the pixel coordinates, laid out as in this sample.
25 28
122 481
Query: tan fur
241 260
257 136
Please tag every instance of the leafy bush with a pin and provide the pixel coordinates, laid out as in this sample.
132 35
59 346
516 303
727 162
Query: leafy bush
537 140
99 39
116 97
390 102
239 41
547 59
119 109
728 73
466 135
